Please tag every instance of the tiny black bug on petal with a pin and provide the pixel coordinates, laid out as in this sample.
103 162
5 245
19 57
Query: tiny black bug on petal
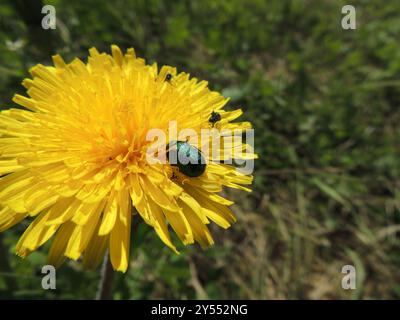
168 77
214 118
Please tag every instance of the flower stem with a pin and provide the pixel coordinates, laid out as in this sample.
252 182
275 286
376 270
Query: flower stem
106 280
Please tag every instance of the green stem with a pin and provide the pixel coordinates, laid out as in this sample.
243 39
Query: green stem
106 280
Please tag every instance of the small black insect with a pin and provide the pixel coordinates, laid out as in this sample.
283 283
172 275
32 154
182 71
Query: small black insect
168 77
188 159
214 118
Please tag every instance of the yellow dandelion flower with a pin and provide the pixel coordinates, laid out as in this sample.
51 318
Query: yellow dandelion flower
75 158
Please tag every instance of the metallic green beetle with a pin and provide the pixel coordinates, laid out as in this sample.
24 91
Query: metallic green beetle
187 158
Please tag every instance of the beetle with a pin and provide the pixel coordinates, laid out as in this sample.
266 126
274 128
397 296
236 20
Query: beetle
168 77
214 118
189 160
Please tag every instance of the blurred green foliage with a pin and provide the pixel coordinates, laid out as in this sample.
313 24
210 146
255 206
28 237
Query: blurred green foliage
324 103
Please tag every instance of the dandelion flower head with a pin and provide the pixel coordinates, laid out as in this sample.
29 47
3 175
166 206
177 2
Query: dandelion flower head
73 158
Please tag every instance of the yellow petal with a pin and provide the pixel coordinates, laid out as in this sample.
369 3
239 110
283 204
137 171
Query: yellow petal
194 205
200 231
117 55
95 250
86 211
144 210
109 215
136 191
80 237
36 234
160 225
157 194
9 218
56 254
7 166
180 225
120 235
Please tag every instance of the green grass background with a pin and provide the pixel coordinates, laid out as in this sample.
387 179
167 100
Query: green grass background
325 106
